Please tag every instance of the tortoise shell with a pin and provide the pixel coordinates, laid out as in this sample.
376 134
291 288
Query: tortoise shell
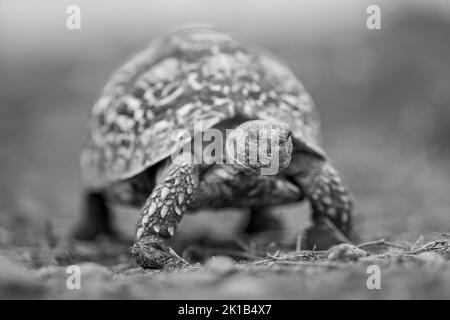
193 74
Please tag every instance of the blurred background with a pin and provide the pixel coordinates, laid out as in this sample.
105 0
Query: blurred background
383 96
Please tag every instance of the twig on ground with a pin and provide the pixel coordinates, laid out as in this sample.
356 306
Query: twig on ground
268 263
295 255
382 242
234 253
435 246
326 264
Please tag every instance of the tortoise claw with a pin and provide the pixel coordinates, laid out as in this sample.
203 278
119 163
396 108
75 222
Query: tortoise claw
151 253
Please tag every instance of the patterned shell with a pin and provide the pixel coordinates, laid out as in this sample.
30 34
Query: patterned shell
189 75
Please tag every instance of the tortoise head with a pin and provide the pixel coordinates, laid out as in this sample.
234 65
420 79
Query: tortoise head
260 147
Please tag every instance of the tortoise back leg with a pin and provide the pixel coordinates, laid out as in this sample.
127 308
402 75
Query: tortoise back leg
96 218
161 213
330 199
262 219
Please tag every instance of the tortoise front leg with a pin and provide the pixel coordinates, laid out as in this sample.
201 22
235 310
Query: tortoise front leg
330 199
161 214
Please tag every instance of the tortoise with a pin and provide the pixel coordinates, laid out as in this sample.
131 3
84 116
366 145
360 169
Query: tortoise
201 75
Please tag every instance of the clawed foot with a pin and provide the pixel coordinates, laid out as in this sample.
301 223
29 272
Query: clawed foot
151 253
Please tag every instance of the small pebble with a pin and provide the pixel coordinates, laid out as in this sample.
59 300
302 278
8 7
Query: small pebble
219 264
345 252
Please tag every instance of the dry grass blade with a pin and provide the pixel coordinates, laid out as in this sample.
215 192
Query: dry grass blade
417 243
172 252
298 243
336 232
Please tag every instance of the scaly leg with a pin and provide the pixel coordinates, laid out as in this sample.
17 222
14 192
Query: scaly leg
161 214
330 199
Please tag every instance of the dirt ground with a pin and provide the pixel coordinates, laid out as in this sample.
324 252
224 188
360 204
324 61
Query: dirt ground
384 101
407 271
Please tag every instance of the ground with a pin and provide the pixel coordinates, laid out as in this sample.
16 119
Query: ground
407 271
383 99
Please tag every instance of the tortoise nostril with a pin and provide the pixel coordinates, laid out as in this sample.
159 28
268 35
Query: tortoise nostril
253 135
